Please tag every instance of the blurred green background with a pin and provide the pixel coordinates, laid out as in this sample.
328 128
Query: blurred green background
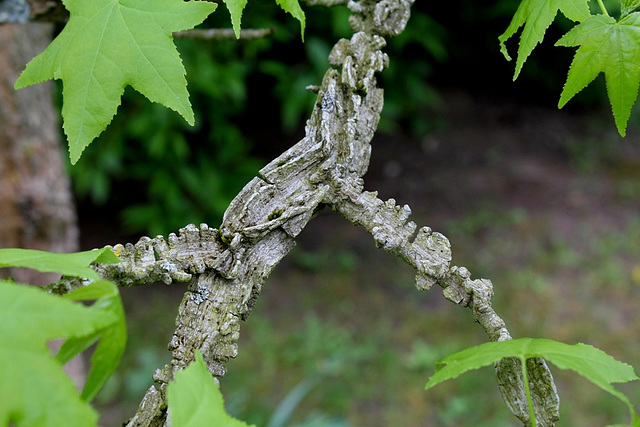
544 203
157 174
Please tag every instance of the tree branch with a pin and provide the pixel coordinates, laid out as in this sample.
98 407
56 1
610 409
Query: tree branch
226 268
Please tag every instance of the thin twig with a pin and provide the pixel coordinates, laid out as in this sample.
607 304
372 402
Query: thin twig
224 34
326 3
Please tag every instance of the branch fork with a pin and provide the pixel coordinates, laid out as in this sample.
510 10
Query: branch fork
226 268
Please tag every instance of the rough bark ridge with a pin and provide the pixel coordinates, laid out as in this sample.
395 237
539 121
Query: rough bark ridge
225 268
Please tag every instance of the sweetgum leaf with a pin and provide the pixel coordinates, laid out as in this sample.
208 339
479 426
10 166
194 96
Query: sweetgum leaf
612 48
108 45
195 400
35 391
590 362
74 264
536 16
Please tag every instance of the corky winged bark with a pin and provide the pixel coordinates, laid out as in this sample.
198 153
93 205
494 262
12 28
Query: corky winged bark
226 268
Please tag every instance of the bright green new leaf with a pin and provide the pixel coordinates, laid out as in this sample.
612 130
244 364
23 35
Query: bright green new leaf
108 352
74 264
590 362
108 45
34 391
536 16
195 400
612 48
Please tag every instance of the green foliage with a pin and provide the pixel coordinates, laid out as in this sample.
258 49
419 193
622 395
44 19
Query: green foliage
34 389
159 173
537 16
611 47
195 400
108 352
74 264
605 45
108 45
163 173
628 6
590 362
293 7
236 7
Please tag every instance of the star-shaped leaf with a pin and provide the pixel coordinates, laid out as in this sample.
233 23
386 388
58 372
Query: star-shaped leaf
108 45
536 16
612 48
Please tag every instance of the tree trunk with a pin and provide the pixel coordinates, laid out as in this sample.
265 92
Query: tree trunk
36 205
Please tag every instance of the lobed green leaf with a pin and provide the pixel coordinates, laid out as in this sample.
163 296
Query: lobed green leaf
108 45
590 362
612 48
537 16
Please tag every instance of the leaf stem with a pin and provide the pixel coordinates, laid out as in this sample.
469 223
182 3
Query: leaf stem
525 379
602 8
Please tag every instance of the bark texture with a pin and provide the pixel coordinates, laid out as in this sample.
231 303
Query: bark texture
225 268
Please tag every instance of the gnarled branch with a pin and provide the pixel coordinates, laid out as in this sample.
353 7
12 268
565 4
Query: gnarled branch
225 268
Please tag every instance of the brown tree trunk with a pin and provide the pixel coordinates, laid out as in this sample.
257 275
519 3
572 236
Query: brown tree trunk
36 205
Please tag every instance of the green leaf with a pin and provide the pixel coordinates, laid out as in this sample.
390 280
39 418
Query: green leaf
590 362
34 391
612 48
108 45
628 6
537 16
293 7
74 264
235 8
108 352
195 400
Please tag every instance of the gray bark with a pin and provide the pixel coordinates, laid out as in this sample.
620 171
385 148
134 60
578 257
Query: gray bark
226 268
